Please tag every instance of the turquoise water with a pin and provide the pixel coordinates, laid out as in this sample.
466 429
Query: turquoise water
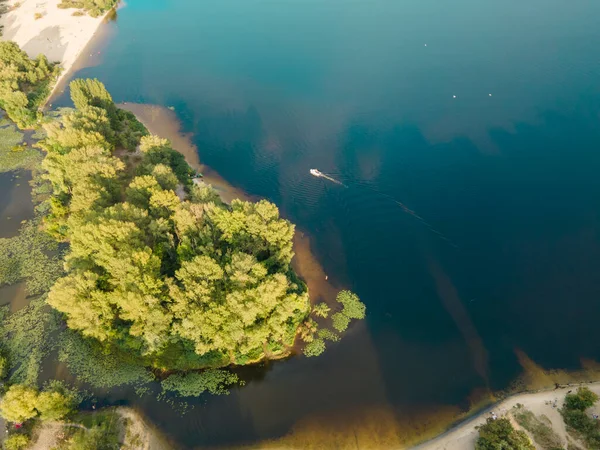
467 135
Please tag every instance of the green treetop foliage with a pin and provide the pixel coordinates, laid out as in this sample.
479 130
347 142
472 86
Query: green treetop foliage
14 153
181 284
22 402
18 404
581 400
500 434
24 83
16 442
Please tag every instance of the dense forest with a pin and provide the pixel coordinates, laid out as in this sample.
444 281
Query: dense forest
182 283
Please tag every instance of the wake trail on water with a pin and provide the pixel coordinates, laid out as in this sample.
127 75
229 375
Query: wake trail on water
404 208
333 180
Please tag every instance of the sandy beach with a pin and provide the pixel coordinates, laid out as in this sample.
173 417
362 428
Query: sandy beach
58 34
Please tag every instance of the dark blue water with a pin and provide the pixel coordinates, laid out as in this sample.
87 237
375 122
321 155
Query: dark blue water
480 118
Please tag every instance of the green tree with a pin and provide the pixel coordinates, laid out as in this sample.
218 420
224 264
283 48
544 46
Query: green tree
499 434
18 404
583 399
54 405
24 83
16 442
575 416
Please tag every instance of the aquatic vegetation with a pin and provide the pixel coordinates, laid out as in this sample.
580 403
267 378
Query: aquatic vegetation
215 381
31 256
14 153
314 348
24 83
89 363
27 337
353 308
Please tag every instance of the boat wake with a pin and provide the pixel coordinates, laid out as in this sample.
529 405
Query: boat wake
319 174
406 209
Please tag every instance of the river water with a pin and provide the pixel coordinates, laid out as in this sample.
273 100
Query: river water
467 138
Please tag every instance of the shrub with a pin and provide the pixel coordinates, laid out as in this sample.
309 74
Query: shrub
582 400
38 15
500 434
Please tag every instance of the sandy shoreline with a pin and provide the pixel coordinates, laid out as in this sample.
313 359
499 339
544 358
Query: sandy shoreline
58 34
464 435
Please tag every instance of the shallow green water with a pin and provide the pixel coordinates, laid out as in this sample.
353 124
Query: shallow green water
467 135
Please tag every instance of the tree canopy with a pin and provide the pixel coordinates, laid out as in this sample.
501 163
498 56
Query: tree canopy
22 402
177 282
24 83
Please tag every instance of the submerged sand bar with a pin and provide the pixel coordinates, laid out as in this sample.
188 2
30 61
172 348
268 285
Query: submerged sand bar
58 34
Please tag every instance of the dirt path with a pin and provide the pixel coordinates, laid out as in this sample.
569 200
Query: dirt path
49 435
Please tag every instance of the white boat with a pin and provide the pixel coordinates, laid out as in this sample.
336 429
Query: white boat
315 173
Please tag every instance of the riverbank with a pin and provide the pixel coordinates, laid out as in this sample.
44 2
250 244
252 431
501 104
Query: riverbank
43 28
547 403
